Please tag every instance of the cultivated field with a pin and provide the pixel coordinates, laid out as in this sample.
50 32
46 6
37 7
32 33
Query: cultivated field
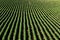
29 20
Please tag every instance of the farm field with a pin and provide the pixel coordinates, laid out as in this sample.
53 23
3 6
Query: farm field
29 20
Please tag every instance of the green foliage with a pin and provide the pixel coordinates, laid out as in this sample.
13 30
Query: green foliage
29 20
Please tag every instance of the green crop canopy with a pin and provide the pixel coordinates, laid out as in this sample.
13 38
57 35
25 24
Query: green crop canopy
29 19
